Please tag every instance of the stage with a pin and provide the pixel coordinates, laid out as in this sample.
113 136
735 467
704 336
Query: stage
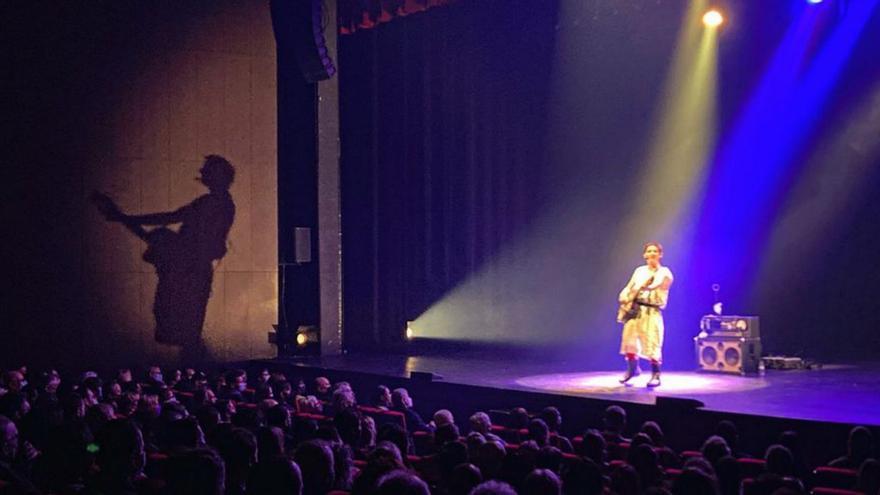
837 393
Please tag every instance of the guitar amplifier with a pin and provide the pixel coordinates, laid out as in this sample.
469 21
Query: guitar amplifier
721 354
747 327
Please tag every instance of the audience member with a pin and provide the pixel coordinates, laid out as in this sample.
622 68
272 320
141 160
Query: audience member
402 402
859 448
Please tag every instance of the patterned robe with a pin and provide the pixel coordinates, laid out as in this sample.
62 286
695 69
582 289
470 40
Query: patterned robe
643 336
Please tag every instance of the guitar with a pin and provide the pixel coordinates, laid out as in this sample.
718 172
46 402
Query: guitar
628 309
161 242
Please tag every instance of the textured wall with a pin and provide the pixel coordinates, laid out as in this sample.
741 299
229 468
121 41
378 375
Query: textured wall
127 98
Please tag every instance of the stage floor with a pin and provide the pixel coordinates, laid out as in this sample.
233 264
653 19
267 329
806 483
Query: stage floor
833 393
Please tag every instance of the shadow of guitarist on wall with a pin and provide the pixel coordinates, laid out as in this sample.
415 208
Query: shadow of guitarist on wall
184 259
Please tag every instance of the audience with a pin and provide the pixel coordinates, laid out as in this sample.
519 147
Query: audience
171 434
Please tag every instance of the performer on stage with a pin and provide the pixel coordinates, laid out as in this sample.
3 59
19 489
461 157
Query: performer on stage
641 311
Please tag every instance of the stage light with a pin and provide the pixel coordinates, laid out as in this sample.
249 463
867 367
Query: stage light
306 334
409 330
713 18
814 2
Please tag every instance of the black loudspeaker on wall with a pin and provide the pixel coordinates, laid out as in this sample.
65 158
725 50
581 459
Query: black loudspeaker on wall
302 245
728 354
299 28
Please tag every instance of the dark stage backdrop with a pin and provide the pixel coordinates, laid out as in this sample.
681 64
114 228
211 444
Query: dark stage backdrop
498 130
443 125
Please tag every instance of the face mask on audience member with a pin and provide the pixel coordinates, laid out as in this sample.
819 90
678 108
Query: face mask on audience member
241 386
156 377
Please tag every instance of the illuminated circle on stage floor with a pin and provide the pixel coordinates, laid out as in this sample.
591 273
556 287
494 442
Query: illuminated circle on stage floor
605 382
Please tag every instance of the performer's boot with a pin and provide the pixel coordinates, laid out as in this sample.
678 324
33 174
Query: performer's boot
632 370
655 375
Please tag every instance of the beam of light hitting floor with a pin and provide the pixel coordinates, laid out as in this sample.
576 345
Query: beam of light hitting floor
673 383
755 160
832 181
545 287
682 141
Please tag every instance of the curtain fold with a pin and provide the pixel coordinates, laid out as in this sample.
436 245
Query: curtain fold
442 154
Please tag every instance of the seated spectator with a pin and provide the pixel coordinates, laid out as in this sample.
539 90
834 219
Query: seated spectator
154 377
403 403
779 461
790 440
322 389
482 424
542 482
343 466
308 404
464 478
450 455
263 391
263 377
120 458
123 375
538 432
66 460
594 448
15 463
473 441
368 433
615 424
860 447
235 384
869 477
714 448
284 393
729 477
315 459
270 443
15 406
490 459
382 400
549 457
383 459
112 392
277 476
195 472
668 457
647 464
343 398
694 482
553 418
582 477
98 416
394 433
444 434
204 396
348 424
208 418
730 433
238 448
442 417
402 482
493 487
12 381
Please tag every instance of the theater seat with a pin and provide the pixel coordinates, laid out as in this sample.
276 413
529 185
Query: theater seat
823 490
832 477
751 468
382 417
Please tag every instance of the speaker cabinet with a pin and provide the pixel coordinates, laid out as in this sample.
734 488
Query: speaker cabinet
728 354
299 28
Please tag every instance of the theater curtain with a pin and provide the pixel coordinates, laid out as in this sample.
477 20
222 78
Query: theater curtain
365 14
442 153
